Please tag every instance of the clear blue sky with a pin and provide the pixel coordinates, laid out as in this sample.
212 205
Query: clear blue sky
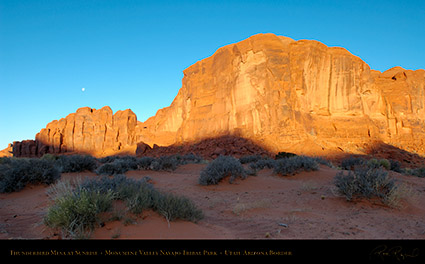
131 54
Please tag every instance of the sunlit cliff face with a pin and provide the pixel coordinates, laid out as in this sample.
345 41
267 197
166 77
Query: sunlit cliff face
288 95
284 92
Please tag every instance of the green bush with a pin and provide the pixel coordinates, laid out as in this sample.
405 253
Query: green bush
16 173
78 213
221 167
366 183
295 164
375 164
174 207
385 163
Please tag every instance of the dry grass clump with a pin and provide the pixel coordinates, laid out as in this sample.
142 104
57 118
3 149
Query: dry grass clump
77 207
370 183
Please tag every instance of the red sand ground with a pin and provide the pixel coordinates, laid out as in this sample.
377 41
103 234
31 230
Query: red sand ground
303 206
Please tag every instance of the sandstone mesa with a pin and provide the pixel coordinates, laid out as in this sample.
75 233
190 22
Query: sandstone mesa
284 95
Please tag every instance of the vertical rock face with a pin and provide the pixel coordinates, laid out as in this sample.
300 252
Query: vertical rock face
286 94
87 130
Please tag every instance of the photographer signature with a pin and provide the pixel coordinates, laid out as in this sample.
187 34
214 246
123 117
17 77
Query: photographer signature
396 252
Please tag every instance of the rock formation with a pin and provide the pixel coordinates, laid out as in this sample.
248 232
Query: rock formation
300 96
90 131
284 95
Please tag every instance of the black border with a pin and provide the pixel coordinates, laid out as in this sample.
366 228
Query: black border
372 251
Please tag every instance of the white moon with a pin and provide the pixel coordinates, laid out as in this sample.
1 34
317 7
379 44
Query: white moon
83 89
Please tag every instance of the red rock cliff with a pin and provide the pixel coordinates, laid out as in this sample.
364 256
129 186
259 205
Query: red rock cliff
91 131
285 95
294 95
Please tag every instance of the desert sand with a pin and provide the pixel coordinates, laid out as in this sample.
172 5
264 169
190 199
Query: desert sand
266 206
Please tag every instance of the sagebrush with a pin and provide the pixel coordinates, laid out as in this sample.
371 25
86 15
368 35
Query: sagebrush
77 211
367 183
295 164
220 168
16 173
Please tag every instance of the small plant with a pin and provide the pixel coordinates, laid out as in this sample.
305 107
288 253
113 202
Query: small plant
282 155
352 162
221 167
418 172
15 173
118 166
367 183
395 165
293 165
145 162
375 164
77 213
323 161
49 157
385 164
174 207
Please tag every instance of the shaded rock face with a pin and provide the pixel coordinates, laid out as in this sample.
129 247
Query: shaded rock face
87 131
294 95
209 148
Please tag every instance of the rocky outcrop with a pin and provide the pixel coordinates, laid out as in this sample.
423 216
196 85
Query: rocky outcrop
301 96
90 131
209 148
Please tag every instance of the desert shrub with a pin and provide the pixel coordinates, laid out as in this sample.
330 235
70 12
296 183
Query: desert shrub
167 163
418 172
108 159
282 155
395 165
263 163
76 163
15 173
187 159
288 166
249 159
366 183
6 160
192 158
76 211
323 161
221 167
385 163
375 164
113 168
118 166
351 162
145 162
174 207
49 157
